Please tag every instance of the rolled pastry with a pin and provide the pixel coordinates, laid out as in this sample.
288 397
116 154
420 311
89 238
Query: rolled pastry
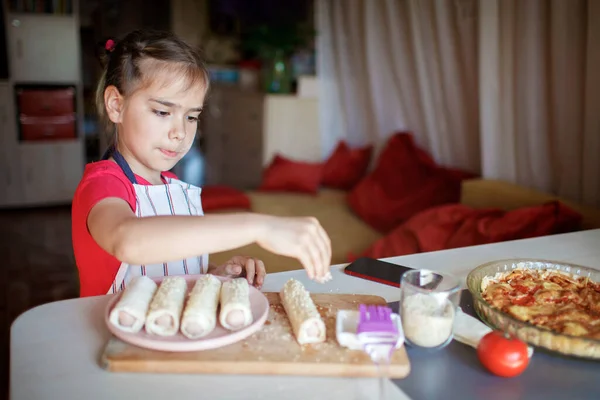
306 322
129 314
165 309
200 313
235 312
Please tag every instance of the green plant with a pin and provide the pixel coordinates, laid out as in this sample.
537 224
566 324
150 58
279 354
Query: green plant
264 41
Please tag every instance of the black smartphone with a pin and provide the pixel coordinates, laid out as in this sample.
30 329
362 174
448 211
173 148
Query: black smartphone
377 271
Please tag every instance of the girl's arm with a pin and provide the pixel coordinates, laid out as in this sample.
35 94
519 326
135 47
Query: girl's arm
149 240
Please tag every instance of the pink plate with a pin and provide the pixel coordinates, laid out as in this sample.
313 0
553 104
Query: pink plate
219 337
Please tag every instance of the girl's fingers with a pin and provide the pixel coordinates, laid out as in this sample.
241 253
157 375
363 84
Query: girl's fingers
250 270
253 269
324 238
233 269
314 256
320 240
306 261
324 251
261 272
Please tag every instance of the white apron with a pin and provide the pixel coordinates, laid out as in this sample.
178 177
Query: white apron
173 198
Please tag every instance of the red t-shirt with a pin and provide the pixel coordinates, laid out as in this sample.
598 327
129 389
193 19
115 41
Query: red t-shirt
97 268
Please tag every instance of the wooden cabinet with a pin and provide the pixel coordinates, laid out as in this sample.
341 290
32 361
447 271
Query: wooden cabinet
43 48
11 183
50 173
232 129
242 131
34 173
42 153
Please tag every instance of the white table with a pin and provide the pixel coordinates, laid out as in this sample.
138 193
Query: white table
55 347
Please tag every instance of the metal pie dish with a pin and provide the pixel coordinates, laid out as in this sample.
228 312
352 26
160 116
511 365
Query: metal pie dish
534 335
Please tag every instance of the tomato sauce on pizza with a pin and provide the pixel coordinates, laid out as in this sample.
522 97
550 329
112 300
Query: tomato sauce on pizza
549 299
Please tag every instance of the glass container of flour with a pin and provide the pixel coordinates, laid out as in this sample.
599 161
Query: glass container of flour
428 303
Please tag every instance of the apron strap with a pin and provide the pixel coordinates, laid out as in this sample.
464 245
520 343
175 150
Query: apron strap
112 151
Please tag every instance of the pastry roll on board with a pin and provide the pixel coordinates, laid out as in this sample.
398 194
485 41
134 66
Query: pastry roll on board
129 314
164 312
235 312
200 313
306 322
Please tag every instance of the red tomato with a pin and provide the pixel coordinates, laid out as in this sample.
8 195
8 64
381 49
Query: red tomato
502 355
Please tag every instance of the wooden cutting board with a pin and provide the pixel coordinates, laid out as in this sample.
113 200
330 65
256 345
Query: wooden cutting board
271 351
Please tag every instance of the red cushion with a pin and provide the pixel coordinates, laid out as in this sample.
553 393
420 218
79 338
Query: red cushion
346 166
284 174
384 211
220 197
456 225
405 181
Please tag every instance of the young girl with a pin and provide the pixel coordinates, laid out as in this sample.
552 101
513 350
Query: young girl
130 217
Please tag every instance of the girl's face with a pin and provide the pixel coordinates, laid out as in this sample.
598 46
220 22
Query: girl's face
156 124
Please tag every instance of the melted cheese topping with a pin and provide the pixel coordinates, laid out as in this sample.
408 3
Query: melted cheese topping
549 299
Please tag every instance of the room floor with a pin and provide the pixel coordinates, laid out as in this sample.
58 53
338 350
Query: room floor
38 268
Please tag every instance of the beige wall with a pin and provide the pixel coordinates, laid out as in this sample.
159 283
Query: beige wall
291 128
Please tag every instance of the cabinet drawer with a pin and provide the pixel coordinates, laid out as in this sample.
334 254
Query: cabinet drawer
46 102
47 128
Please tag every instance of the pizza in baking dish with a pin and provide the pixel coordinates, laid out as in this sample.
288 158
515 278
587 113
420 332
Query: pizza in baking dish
550 299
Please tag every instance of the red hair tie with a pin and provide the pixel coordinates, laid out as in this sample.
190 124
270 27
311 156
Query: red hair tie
110 45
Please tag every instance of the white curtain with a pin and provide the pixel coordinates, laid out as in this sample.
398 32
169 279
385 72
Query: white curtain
506 88
540 95
389 65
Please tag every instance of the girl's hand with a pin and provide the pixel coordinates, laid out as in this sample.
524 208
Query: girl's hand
251 268
300 237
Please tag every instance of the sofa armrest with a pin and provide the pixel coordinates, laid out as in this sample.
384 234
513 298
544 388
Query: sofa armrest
487 193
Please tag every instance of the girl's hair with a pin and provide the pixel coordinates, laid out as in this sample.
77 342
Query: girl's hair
134 62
